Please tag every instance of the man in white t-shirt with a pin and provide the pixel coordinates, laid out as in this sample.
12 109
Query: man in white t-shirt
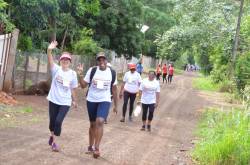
150 95
129 88
101 80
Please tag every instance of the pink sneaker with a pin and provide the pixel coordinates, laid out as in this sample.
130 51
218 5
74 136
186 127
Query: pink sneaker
54 147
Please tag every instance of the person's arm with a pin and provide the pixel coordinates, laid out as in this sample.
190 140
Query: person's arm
139 97
51 46
83 83
157 95
115 97
74 98
121 90
122 86
157 99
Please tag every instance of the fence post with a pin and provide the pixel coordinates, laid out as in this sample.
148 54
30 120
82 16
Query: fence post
38 67
25 70
11 60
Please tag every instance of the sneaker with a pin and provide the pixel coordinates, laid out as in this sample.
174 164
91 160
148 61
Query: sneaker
105 121
143 128
51 140
90 150
149 128
96 153
130 118
54 147
122 120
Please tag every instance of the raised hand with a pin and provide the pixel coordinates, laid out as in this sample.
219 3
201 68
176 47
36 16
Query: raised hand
79 69
52 45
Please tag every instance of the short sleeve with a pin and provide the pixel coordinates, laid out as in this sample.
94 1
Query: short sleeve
74 83
125 78
87 76
158 87
54 69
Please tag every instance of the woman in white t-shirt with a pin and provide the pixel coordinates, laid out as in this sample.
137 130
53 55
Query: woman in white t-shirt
150 95
61 94
129 88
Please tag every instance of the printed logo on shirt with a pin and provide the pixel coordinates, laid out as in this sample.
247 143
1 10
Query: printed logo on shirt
101 84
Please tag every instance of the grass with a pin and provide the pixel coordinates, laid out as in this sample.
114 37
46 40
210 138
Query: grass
16 116
178 71
224 138
205 83
26 110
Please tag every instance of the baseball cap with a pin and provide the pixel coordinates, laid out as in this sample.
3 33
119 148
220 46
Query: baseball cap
65 55
132 66
99 55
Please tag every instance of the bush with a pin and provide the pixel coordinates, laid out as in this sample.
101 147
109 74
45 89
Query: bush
242 71
227 86
86 45
205 83
224 138
246 97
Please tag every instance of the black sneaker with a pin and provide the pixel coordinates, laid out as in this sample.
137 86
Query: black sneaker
143 128
149 128
122 120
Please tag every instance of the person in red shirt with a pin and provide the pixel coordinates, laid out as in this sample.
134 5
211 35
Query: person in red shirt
158 72
164 72
170 73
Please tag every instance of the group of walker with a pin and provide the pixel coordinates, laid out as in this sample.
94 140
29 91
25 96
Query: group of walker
167 73
102 83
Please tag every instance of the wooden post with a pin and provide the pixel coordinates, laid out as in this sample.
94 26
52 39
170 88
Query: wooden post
38 67
25 70
7 85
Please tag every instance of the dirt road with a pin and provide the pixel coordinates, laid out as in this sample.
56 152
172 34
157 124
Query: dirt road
123 143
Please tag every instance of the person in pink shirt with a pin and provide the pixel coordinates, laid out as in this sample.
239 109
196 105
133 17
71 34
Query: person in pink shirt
170 73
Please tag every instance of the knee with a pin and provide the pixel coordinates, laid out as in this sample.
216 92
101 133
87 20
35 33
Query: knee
92 125
99 123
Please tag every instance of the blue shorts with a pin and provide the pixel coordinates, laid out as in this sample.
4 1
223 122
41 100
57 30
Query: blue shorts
98 110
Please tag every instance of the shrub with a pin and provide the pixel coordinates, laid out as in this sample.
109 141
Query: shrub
242 71
224 138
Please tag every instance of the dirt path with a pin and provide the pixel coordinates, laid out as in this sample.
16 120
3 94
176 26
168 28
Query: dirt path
123 143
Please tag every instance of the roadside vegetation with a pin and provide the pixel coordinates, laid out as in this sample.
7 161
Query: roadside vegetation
223 138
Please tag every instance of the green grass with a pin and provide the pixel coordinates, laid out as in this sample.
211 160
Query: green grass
178 71
26 110
205 83
224 138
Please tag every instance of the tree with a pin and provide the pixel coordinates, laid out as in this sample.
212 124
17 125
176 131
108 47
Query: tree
5 25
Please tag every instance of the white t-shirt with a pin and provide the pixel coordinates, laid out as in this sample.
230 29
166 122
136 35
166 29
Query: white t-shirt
149 89
62 84
99 90
132 82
